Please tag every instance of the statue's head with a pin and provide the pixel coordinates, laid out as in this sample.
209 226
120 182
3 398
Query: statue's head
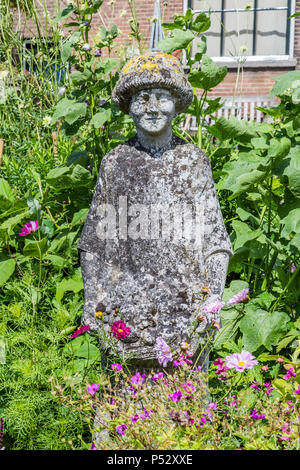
152 88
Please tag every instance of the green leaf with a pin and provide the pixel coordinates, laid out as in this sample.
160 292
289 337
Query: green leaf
232 128
75 111
64 13
284 81
100 118
209 76
262 328
74 285
79 217
10 223
6 270
292 170
201 23
291 223
244 234
56 260
80 157
180 40
7 197
47 228
35 208
35 248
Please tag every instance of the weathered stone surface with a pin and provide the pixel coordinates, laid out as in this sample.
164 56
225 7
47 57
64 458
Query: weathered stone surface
154 236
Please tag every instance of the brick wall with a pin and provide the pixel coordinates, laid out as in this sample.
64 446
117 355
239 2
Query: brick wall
253 80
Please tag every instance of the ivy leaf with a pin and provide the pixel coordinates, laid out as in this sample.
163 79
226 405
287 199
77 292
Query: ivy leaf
180 40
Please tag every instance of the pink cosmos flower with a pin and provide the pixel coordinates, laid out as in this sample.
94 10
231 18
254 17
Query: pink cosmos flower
92 389
120 330
164 352
214 307
117 367
33 226
121 429
241 361
81 330
240 297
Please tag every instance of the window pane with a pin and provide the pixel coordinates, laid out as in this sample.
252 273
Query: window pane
239 27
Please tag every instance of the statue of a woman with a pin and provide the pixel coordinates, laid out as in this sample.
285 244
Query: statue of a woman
154 238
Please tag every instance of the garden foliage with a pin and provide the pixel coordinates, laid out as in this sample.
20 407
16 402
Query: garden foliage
55 133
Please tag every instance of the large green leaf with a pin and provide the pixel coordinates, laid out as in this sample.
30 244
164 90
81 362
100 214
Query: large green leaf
201 23
244 234
209 76
64 13
7 197
72 176
180 40
74 284
35 248
100 118
82 347
70 110
262 328
11 222
6 270
241 175
285 81
232 128
292 170
291 223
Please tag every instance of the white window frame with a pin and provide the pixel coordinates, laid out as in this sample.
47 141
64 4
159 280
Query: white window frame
257 60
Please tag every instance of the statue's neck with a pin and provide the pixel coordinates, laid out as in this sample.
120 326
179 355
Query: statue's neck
155 143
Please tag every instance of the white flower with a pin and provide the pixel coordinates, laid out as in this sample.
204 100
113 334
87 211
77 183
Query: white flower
86 47
123 13
46 121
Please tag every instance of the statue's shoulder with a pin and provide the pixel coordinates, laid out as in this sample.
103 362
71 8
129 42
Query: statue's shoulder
119 152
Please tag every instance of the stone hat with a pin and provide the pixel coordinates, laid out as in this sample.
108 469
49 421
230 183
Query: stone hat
152 70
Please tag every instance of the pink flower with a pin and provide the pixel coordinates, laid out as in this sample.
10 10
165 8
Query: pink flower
279 359
164 351
93 447
121 429
33 226
138 378
293 268
119 330
255 385
265 368
240 297
241 361
117 367
157 376
134 418
92 389
176 396
81 330
290 373
221 369
297 391
255 415
213 307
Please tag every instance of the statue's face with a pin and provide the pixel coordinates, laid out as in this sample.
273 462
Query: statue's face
153 110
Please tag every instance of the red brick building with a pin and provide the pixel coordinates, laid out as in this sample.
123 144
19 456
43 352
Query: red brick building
256 40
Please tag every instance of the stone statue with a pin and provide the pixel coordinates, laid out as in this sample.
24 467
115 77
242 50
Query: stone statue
154 239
